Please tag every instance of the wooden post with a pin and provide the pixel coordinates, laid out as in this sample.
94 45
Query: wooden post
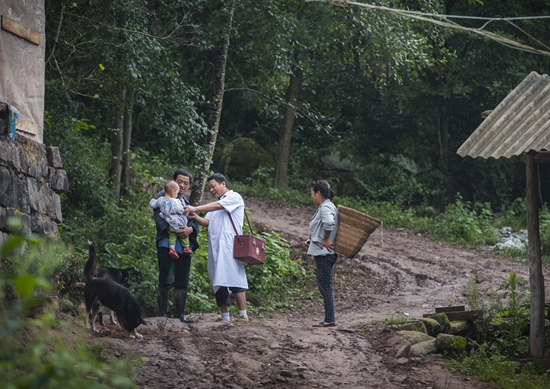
536 280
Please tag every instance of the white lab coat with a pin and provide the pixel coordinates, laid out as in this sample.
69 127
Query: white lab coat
223 269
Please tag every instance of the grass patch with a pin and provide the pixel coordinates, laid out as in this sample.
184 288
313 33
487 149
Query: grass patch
396 321
491 367
279 272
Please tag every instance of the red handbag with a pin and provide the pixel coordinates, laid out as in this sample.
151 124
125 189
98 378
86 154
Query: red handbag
248 248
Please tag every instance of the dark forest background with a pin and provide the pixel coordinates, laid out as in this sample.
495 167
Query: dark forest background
277 93
376 101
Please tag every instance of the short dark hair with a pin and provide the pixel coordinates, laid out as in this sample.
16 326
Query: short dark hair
323 187
183 172
219 178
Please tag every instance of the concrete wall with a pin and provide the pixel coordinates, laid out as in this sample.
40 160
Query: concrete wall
31 179
22 58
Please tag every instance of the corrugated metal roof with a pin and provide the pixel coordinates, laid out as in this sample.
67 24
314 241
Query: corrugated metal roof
521 122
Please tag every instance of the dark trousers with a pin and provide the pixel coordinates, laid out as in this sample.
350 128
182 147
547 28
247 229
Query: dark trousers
324 267
173 272
222 295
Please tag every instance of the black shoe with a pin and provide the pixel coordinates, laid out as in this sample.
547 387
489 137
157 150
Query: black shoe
180 296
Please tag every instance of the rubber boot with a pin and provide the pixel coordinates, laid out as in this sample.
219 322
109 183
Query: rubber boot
180 296
162 300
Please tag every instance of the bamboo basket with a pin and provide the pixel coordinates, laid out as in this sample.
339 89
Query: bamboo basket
354 230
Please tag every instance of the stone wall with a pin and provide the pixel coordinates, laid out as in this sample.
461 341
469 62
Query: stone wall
31 179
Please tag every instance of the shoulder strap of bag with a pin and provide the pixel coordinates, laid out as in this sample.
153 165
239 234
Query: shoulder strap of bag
233 223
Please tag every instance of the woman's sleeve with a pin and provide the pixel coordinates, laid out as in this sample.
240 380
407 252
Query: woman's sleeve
328 219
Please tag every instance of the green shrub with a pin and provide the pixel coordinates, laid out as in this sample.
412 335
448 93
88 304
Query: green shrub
460 223
545 233
512 215
272 285
508 315
514 317
280 279
475 301
494 367
486 368
39 351
396 321
390 214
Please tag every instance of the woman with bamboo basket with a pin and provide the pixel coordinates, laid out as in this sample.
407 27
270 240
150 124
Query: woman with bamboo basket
323 229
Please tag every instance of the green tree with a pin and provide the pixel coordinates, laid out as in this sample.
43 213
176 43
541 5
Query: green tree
114 63
215 110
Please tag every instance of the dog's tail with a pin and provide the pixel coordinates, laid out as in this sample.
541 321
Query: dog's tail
90 262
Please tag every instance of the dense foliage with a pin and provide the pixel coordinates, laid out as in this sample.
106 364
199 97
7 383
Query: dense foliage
379 103
35 353
494 358
384 101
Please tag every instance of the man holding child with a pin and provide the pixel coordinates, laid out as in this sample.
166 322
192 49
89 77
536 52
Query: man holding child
181 266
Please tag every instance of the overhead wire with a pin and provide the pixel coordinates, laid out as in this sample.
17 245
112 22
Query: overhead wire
445 22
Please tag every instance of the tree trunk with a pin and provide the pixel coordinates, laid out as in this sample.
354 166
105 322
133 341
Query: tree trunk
213 119
126 140
285 133
443 135
536 279
116 144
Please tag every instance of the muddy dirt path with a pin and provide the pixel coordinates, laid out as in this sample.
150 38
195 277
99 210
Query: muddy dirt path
395 273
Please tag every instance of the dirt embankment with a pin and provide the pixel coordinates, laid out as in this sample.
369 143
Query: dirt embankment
395 273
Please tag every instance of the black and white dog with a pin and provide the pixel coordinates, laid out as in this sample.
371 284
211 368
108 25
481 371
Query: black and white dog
112 295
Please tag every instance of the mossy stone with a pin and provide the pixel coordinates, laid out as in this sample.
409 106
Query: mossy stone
460 326
414 325
423 348
450 343
242 156
67 306
443 320
432 326
481 328
413 337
